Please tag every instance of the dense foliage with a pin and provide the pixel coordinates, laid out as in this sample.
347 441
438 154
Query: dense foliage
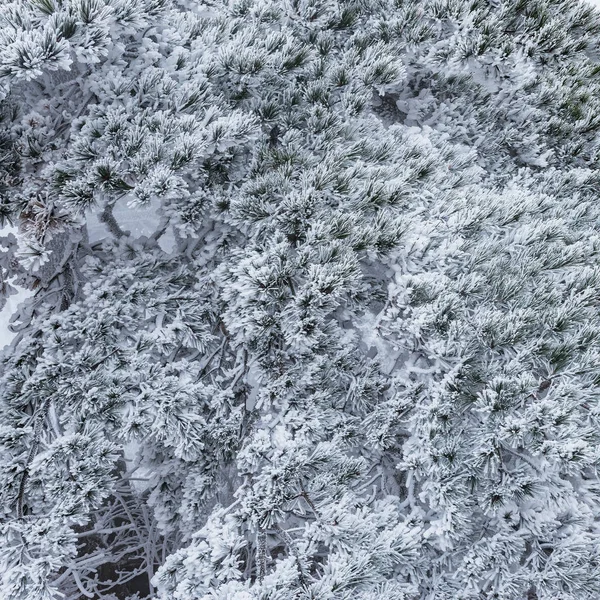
348 348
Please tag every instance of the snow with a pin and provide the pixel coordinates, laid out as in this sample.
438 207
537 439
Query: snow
139 221
12 303
10 308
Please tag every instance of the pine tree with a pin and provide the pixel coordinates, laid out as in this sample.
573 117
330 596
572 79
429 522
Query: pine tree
315 300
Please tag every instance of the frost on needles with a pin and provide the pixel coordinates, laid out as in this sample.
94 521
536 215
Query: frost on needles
355 355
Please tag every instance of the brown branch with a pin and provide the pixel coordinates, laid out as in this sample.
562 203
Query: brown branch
261 551
37 432
109 220
287 538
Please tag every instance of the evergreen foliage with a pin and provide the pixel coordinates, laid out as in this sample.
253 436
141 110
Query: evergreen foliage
357 355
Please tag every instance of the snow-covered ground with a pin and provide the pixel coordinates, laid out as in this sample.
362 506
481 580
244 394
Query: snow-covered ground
12 303
139 221
6 335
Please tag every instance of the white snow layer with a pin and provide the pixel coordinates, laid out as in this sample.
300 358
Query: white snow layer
139 221
12 303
